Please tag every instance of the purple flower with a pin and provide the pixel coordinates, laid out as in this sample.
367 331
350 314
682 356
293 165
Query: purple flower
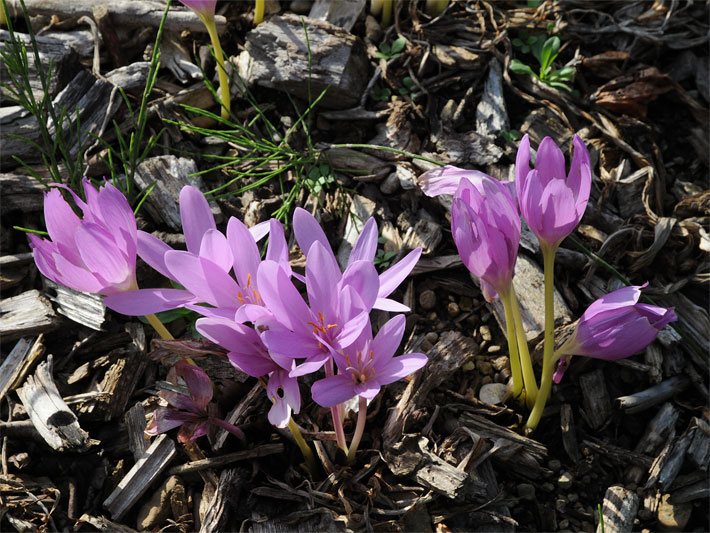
308 231
486 229
615 326
367 365
551 200
96 253
338 310
192 412
204 269
247 352
203 8
446 180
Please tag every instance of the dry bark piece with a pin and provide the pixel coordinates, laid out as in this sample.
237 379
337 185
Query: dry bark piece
81 307
20 192
569 435
597 405
226 499
124 13
26 314
104 524
660 429
343 13
228 458
645 399
619 509
158 508
48 412
491 116
277 56
51 51
361 208
19 361
170 174
146 470
135 427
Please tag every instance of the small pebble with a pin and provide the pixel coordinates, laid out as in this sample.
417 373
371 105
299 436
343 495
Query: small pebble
526 491
432 337
486 380
427 300
301 7
465 304
499 363
572 497
565 480
555 465
494 349
453 309
560 504
390 185
426 346
486 333
469 366
673 516
485 368
547 487
563 524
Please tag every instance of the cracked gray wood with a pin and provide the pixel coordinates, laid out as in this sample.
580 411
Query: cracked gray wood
48 412
618 510
29 313
22 356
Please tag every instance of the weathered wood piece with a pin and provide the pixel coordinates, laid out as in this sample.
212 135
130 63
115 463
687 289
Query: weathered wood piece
659 430
343 13
277 55
26 314
124 13
170 174
146 470
529 285
237 414
18 362
446 357
135 422
618 510
227 459
491 116
131 76
50 416
689 493
412 457
699 449
168 501
53 52
224 500
104 524
660 393
81 41
597 405
19 192
569 434
81 307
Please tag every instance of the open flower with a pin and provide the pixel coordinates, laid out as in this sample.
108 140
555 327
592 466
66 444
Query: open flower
96 253
192 412
308 230
551 200
486 229
615 326
367 365
247 352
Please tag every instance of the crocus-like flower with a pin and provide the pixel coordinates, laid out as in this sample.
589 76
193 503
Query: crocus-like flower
247 352
203 8
192 412
94 254
486 229
615 326
308 231
551 200
367 365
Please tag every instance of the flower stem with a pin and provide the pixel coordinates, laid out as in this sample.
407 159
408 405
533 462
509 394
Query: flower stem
305 449
359 429
386 19
548 358
514 355
335 414
224 94
159 327
525 361
259 11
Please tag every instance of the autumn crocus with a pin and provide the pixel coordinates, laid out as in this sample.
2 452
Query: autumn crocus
613 327
486 229
552 202
205 10
364 368
191 411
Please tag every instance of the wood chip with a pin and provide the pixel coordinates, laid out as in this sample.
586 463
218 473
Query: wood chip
619 509
597 405
26 314
19 361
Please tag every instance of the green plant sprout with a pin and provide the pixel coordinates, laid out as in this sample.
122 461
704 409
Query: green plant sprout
391 50
319 177
380 93
545 52
407 87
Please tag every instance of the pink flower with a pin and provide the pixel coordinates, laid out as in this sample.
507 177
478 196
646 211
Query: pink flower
367 365
192 412
96 253
486 229
203 8
615 326
551 200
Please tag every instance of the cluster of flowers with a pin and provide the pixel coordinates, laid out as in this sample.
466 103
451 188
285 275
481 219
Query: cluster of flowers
249 306
486 224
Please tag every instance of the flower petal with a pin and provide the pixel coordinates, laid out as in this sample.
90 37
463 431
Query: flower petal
143 302
388 340
391 278
196 217
62 224
401 367
366 244
333 390
307 230
215 247
245 252
198 383
152 250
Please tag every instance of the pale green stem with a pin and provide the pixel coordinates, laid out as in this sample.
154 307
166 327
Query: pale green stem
305 449
259 11
525 362
359 429
515 367
224 94
548 358
159 327
386 13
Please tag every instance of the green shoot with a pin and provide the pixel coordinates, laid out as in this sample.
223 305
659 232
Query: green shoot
391 50
545 52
